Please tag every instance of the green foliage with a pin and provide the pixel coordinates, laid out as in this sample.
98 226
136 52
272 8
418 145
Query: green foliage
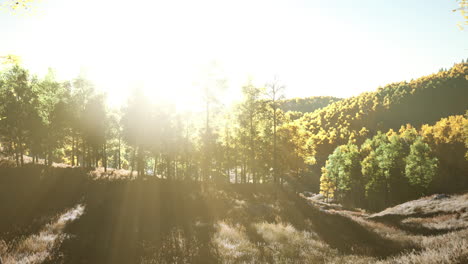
421 167
383 168
399 166
342 174
41 117
421 101
249 115
19 116
257 141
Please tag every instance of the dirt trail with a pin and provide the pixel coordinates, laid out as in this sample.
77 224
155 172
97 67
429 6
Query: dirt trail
38 247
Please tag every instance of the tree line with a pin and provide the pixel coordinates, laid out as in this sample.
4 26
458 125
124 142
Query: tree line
417 102
69 122
255 141
394 167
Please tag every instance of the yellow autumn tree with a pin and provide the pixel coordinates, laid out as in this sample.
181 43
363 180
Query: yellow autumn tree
463 9
327 186
17 5
10 59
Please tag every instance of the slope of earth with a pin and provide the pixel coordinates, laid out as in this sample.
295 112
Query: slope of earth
148 220
435 214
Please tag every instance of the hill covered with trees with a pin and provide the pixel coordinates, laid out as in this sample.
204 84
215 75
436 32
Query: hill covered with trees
418 102
307 104
255 141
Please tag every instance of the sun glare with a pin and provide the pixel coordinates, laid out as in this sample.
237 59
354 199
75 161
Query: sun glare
163 45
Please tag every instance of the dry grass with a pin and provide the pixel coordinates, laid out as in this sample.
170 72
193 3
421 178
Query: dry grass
288 245
158 221
437 214
279 243
112 174
37 248
9 161
449 221
429 205
444 249
233 244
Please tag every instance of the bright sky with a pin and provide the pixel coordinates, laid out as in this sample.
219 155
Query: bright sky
315 47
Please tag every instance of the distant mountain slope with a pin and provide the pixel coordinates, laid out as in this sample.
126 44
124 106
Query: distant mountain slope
421 101
307 104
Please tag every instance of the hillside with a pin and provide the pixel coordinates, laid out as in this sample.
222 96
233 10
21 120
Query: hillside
159 221
421 101
433 214
307 104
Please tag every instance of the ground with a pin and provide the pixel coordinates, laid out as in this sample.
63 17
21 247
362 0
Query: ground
68 215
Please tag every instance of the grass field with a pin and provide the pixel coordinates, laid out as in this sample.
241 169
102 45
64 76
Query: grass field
67 215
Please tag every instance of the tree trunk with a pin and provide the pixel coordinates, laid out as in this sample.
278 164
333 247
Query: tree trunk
88 156
84 160
138 162
142 162
22 154
186 173
207 145
155 165
228 161
132 167
168 169
235 173
16 155
252 152
244 171
105 156
73 150
120 164
116 160
96 157
49 156
275 174
83 154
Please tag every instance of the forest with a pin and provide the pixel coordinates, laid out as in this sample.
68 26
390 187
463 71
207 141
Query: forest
388 139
